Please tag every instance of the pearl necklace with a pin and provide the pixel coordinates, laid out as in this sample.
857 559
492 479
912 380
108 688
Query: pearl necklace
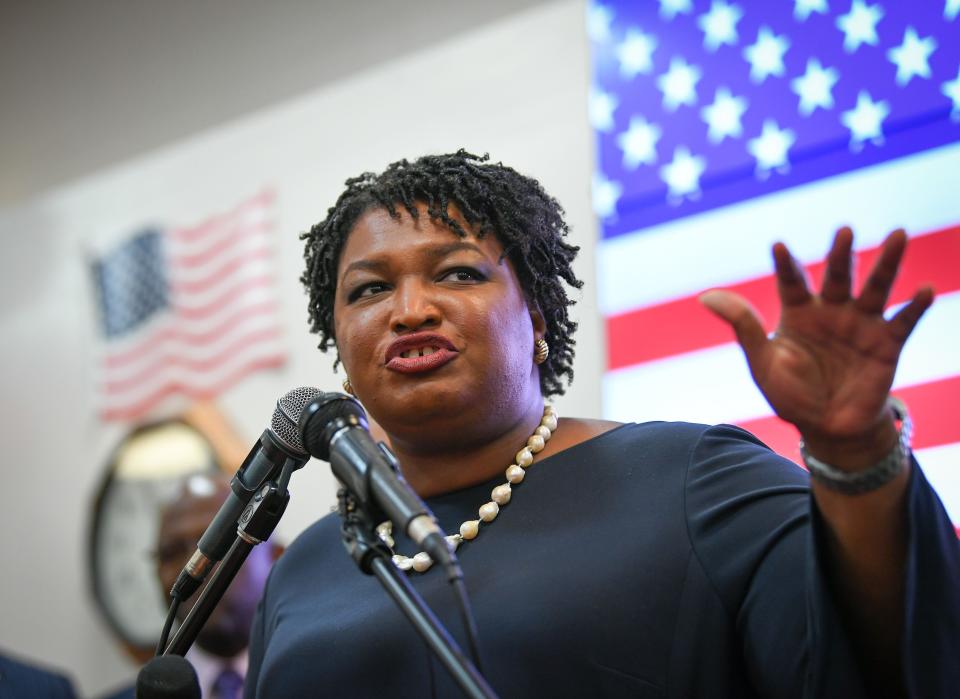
488 512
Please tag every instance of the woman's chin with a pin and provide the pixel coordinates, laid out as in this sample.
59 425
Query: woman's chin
421 407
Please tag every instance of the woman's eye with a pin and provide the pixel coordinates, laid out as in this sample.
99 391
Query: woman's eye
463 274
370 289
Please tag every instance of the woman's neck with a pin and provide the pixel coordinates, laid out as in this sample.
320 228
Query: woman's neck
434 467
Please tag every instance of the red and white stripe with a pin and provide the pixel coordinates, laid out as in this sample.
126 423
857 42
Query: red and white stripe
669 358
222 323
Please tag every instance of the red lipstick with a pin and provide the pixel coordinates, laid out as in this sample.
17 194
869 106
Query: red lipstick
439 350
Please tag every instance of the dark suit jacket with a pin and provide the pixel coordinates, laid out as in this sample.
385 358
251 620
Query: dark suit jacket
21 681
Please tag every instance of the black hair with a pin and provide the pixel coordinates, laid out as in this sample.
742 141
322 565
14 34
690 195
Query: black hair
492 198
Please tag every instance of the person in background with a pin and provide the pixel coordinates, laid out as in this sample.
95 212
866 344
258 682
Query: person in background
219 654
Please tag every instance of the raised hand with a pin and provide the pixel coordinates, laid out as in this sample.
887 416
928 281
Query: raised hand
829 366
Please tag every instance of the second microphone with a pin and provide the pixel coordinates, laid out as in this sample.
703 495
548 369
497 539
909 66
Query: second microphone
334 428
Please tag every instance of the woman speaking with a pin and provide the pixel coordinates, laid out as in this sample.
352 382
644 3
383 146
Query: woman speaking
602 559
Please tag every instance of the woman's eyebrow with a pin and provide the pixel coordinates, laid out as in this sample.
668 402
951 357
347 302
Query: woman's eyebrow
367 265
438 252
441 251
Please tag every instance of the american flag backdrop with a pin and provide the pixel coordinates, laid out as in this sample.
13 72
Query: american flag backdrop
187 310
722 127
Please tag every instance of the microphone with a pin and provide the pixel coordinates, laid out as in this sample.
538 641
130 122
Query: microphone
333 427
168 677
279 444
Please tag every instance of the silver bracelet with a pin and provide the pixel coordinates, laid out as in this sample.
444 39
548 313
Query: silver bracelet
877 475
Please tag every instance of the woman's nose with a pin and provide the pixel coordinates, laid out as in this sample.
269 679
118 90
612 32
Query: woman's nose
414 307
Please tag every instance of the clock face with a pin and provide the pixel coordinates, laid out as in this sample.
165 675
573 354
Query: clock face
145 474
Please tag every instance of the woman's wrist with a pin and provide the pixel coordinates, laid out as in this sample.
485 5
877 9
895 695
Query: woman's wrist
852 454
863 465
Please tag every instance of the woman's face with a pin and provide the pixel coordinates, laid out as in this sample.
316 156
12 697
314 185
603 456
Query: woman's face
433 329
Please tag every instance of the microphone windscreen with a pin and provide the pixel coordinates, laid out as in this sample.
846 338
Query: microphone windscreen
286 417
168 677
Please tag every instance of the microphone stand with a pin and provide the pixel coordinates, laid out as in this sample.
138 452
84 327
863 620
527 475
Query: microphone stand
372 556
254 527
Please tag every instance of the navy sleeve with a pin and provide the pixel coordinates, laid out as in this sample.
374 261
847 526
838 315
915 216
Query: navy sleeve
256 649
931 643
932 616
754 530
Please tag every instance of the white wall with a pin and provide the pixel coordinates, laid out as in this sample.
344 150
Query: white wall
516 88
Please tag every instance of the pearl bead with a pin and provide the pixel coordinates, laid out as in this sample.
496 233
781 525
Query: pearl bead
549 410
403 562
385 532
524 457
549 421
453 541
489 511
501 494
515 474
470 529
422 562
535 443
544 432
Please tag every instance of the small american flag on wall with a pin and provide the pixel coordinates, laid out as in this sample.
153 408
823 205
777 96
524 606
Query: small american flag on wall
187 310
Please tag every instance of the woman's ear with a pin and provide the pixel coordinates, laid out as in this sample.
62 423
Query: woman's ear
539 324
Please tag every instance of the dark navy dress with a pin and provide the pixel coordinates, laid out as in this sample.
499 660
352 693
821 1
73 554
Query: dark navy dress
656 560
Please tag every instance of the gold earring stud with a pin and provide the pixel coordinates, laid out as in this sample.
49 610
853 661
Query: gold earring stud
348 387
541 350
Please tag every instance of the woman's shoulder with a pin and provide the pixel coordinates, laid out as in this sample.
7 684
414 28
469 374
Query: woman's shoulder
716 450
577 430
589 432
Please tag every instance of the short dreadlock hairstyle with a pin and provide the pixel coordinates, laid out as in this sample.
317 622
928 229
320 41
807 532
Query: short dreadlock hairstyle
492 198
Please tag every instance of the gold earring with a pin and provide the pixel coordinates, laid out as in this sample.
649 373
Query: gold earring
348 387
541 350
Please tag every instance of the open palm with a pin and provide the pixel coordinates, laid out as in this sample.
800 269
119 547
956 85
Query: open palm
829 366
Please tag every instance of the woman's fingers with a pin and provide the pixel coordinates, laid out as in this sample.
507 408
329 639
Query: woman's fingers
836 278
906 319
791 279
794 291
741 316
873 296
